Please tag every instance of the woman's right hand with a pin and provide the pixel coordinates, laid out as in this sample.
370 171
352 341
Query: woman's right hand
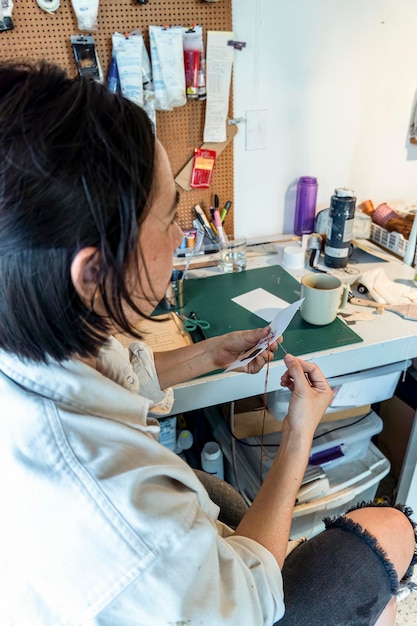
310 394
268 520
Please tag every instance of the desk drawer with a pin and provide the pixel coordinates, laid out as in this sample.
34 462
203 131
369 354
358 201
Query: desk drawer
361 388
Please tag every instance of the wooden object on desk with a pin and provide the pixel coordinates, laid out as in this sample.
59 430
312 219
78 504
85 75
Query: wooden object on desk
197 265
407 311
248 417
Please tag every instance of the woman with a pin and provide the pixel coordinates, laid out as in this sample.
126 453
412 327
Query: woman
102 525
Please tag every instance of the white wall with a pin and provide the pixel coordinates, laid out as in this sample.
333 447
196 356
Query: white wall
338 79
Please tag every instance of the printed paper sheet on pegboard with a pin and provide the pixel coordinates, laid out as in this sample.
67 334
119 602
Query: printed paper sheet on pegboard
38 34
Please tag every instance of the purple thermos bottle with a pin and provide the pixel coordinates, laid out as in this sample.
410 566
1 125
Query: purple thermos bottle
305 206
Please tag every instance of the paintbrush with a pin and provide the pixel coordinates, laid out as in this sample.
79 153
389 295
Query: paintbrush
407 311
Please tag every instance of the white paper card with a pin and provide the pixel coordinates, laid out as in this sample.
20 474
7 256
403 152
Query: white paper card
261 302
278 325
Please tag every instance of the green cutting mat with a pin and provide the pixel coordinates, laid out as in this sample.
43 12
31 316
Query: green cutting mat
210 298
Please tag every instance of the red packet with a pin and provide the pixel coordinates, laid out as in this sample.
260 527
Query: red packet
203 165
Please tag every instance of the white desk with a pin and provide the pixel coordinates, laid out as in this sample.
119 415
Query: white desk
386 339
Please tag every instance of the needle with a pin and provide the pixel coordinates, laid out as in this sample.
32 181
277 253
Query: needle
281 346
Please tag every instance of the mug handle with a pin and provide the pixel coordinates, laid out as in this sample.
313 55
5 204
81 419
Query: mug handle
344 297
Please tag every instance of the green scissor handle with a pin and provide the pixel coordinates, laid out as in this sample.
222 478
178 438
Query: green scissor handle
192 323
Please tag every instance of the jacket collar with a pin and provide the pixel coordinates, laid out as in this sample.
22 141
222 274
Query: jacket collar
77 386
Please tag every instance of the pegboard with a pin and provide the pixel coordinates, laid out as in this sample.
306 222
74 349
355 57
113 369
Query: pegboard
38 34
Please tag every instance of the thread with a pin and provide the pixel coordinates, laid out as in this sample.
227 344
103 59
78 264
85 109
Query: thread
264 407
382 214
367 207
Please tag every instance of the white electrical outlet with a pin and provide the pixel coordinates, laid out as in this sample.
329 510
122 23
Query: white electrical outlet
257 130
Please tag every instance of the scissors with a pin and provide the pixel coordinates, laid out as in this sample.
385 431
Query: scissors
193 324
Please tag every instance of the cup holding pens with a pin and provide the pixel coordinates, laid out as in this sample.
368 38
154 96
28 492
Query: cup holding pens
232 254
174 297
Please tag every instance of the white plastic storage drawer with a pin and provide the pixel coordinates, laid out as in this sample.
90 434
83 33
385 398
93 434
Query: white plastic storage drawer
351 483
344 443
352 390
337 442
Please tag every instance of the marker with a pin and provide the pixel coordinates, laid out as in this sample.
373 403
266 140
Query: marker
219 227
225 210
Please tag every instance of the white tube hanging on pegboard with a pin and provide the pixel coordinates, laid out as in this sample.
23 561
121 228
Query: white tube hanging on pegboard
86 12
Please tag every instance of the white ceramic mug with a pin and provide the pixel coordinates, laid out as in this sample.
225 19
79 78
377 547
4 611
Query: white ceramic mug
323 295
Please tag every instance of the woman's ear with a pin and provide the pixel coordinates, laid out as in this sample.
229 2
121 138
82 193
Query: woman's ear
85 271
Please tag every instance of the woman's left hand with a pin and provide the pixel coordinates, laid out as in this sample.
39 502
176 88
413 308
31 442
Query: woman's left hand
232 345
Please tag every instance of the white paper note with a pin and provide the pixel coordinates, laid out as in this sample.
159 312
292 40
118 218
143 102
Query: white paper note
219 60
261 302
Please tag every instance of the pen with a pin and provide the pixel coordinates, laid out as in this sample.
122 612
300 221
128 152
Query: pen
182 255
200 215
212 221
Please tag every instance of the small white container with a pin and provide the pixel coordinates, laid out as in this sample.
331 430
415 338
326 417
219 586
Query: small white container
212 459
185 440
293 258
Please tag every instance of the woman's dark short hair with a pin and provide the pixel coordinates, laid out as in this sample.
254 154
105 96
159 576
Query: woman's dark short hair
76 170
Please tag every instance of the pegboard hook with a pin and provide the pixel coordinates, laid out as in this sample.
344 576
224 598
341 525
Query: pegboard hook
233 121
237 45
